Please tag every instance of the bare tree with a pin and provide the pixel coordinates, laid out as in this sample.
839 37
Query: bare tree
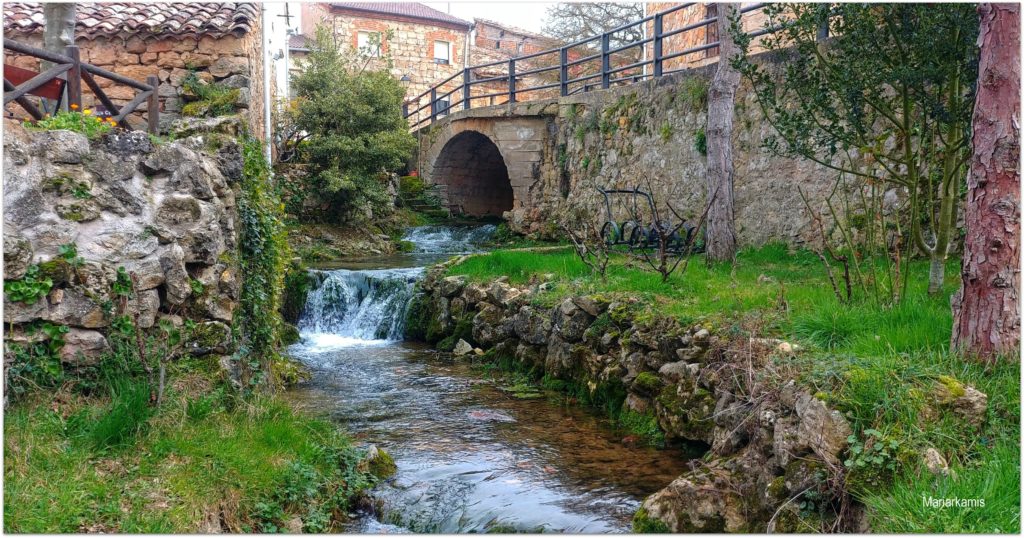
669 241
570 21
986 310
586 239
721 232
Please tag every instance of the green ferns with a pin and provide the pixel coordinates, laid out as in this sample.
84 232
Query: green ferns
212 99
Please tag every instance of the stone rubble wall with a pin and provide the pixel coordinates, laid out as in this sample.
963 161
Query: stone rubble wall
229 60
165 213
767 443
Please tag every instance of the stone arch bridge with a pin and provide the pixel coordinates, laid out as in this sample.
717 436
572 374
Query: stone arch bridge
527 162
488 161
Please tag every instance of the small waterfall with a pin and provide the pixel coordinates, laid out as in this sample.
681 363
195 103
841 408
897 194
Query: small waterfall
449 239
356 306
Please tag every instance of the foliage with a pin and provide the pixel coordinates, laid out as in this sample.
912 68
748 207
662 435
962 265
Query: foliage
127 415
872 459
29 288
700 141
80 122
693 92
889 101
353 134
36 363
212 99
202 457
263 255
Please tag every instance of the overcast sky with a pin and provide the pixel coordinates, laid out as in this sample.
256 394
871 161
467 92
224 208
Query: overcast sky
526 15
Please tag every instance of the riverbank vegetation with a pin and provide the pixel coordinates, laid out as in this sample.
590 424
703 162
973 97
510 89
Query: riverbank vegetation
881 365
205 461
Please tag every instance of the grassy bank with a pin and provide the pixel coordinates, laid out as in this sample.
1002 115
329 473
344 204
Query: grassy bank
880 366
204 461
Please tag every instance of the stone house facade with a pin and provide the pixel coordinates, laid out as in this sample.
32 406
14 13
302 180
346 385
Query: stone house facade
425 45
696 37
219 41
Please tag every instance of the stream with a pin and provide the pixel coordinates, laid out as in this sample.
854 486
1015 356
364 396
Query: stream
470 457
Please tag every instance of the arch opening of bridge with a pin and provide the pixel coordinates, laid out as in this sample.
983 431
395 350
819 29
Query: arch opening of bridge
472 168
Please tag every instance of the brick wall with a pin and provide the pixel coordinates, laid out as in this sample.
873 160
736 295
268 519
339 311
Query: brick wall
231 60
411 48
696 37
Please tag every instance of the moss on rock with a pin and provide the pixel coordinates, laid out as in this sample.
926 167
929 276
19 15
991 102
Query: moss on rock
643 523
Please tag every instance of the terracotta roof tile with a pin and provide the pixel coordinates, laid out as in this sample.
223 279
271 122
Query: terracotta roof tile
403 9
179 20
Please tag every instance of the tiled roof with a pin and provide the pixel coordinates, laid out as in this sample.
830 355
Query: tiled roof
126 19
299 42
403 9
514 30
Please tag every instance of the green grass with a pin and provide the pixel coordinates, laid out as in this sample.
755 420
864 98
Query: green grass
762 280
203 457
878 365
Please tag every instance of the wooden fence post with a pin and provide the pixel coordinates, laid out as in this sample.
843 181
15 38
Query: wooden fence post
74 77
153 105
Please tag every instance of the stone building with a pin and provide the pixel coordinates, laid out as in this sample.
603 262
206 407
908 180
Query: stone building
696 37
219 41
425 45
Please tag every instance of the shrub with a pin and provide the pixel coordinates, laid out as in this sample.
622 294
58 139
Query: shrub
129 411
80 122
351 133
212 99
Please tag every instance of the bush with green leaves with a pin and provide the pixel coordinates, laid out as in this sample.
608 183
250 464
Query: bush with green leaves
29 288
349 132
211 99
887 102
80 122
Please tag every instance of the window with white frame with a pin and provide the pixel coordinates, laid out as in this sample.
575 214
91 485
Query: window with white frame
369 43
442 52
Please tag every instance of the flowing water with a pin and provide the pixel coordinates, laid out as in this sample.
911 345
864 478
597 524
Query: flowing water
470 457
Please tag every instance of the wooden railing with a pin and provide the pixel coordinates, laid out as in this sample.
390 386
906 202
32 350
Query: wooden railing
70 72
566 70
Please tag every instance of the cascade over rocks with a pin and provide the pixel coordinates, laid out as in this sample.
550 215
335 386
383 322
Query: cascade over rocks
766 443
165 213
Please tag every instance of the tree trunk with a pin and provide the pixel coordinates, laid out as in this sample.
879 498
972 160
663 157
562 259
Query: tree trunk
986 311
936 274
58 33
721 233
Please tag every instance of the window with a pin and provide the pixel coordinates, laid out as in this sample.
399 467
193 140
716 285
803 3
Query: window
442 52
368 43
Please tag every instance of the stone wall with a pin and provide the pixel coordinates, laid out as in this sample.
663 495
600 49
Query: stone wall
767 438
230 60
644 135
165 213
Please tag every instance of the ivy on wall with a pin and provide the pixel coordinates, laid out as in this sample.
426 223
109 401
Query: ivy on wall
263 257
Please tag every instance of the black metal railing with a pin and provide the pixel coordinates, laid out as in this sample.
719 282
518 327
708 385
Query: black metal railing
567 67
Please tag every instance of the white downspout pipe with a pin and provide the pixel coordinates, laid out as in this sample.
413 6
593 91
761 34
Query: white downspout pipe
267 65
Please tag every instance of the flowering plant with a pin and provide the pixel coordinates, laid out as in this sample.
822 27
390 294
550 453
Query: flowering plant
82 122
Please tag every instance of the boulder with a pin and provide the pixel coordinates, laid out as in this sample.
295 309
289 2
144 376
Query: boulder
67 147
532 326
935 462
822 429
125 143
178 284
17 254
83 346
147 273
210 337
570 322
18 312
593 306
451 286
70 307
462 348
491 326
